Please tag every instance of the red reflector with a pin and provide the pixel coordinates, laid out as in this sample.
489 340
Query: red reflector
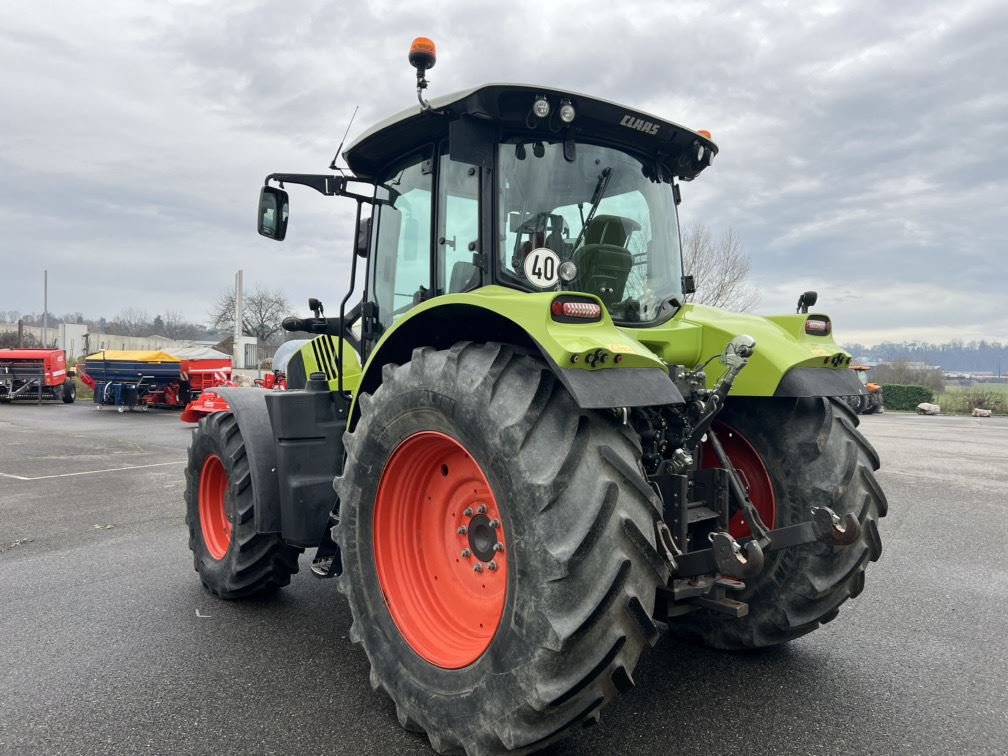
586 310
816 327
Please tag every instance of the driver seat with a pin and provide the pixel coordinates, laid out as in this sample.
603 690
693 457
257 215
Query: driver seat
603 262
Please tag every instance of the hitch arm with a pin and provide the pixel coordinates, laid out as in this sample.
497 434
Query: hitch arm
725 557
825 527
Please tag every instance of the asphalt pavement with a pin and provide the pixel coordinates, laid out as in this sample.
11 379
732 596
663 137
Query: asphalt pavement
108 643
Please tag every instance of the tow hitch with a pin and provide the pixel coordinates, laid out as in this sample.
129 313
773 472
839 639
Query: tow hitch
702 578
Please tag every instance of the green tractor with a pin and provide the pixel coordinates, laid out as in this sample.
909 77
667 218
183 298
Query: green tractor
521 452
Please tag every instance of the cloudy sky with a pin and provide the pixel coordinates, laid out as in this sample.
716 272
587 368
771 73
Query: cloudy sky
864 145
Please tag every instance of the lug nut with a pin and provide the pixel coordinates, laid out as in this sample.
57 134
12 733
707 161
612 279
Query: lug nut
462 530
477 568
498 547
494 523
481 509
468 512
491 565
466 553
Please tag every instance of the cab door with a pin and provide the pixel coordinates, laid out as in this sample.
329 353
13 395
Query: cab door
458 238
401 264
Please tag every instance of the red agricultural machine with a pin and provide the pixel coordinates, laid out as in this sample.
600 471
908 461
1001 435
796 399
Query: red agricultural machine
132 379
35 374
209 401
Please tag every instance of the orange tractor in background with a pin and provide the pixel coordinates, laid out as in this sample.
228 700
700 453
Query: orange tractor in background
870 403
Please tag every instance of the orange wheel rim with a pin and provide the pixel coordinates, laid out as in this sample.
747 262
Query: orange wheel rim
440 550
214 521
755 478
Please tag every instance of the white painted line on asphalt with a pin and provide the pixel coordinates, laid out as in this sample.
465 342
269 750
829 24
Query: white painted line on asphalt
93 472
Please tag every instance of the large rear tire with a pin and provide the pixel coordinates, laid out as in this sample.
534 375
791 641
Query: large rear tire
232 559
478 454
813 455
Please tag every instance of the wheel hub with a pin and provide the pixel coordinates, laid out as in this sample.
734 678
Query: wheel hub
482 538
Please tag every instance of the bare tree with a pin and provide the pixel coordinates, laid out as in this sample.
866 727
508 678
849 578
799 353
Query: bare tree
133 322
263 313
9 339
175 326
720 267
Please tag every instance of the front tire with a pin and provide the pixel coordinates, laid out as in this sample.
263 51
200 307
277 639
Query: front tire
232 559
568 607
813 455
69 392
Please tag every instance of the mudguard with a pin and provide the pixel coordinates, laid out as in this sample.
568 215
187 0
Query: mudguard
599 364
297 437
307 429
249 409
787 362
806 381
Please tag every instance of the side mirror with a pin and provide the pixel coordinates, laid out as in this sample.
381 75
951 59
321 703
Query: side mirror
364 238
806 300
688 285
274 209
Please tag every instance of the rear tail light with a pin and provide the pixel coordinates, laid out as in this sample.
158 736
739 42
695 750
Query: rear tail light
575 310
818 326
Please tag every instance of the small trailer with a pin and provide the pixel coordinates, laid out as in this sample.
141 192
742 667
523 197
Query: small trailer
129 379
35 374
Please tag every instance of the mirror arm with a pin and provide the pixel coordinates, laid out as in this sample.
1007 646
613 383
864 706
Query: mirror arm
330 186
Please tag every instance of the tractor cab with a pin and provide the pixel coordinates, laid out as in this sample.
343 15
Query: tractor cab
520 186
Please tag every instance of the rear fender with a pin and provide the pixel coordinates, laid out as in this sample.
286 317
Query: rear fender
294 444
788 362
495 313
249 409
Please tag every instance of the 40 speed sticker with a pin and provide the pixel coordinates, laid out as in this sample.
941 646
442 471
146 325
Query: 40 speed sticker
542 267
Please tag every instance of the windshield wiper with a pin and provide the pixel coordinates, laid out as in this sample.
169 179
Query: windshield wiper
597 195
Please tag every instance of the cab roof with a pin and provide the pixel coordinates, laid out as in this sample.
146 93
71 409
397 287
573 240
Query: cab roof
508 106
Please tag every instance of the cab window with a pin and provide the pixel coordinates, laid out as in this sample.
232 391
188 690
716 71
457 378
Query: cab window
401 269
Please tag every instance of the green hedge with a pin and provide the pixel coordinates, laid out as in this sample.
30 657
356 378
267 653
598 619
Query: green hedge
898 397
